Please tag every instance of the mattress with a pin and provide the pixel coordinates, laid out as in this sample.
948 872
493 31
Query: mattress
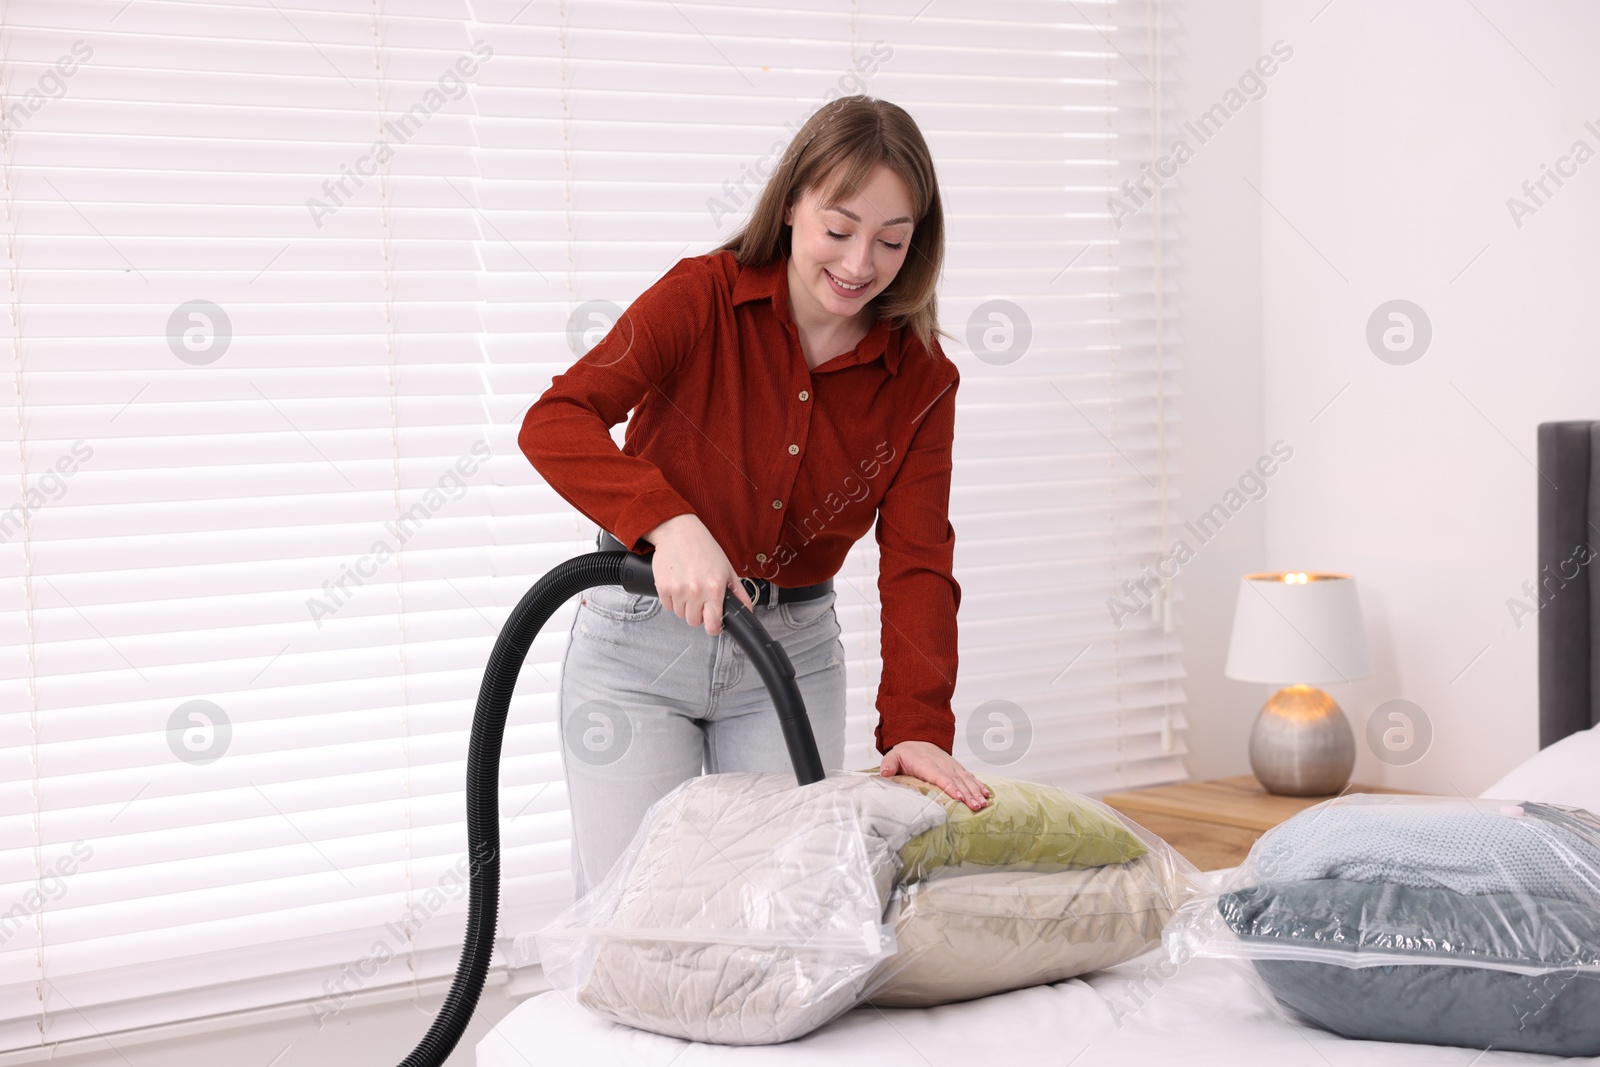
1206 1013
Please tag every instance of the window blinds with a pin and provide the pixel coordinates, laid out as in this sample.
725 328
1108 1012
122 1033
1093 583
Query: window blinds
244 625
282 281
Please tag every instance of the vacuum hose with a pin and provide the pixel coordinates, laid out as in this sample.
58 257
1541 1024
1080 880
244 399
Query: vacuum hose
633 573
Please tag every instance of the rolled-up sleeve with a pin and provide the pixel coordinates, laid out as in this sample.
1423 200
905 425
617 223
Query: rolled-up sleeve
917 587
566 434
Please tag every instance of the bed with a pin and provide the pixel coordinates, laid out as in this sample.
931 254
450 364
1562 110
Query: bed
1148 1011
1207 1013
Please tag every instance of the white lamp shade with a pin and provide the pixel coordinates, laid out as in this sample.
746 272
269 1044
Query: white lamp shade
1304 629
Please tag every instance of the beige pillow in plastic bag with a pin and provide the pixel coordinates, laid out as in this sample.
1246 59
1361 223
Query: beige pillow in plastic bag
746 911
962 935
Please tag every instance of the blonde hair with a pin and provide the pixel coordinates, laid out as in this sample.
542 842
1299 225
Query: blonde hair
833 153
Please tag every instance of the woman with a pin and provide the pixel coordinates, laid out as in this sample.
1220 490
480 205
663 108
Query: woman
789 387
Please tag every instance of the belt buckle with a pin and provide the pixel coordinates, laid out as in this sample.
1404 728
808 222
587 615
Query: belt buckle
752 587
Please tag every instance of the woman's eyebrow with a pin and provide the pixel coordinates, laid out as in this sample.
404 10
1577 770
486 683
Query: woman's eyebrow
853 217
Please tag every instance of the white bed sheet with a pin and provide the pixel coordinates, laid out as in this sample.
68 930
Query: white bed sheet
1207 1013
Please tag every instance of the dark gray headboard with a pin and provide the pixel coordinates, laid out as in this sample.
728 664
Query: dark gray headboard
1569 541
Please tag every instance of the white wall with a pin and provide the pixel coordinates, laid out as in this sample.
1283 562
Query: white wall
1221 407
1389 146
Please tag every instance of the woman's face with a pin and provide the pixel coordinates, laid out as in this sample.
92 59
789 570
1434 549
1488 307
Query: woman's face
860 242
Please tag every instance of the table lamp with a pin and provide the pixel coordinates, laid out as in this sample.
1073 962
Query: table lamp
1304 629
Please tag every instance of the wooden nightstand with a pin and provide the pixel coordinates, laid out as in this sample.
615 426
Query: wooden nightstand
1213 824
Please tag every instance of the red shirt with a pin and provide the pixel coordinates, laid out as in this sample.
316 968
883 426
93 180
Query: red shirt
785 465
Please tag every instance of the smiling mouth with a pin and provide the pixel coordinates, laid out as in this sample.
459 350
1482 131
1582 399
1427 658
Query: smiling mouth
841 284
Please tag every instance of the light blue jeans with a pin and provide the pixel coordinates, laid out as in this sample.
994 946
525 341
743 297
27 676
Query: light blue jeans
648 702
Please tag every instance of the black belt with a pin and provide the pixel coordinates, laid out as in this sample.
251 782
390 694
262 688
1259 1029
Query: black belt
761 591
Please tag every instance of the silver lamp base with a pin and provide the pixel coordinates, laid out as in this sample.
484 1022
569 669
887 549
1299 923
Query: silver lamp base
1301 744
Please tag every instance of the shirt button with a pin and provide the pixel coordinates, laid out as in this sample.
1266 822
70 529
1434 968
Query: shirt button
794 450
805 394
761 557
777 504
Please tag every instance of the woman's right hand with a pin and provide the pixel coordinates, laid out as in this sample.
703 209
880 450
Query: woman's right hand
692 573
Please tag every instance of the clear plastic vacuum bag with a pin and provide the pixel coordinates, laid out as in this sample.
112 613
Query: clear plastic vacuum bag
1437 920
749 910
746 910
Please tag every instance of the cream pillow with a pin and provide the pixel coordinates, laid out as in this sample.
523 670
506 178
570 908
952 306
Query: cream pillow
961 936
1565 773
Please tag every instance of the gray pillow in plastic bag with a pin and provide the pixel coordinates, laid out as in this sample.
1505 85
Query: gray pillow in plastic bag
1556 1012
1543 849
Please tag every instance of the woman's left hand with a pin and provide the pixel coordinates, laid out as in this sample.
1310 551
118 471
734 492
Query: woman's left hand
932 764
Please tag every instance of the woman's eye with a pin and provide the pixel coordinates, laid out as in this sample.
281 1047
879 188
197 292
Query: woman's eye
844 236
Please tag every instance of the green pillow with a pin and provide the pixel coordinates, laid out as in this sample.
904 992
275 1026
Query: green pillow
1025 825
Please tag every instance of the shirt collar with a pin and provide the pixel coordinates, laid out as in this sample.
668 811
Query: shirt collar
771 282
